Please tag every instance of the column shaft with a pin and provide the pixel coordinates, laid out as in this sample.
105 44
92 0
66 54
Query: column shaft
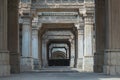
100 35
13 39
35 54
80 48
88 46
26 59
112 52
73 56
4 54
44 53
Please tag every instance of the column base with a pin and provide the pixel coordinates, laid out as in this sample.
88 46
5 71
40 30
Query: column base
112 70
88 64
72 63
15 62
4 63
98 62
26 64
79 63
36 63
112 62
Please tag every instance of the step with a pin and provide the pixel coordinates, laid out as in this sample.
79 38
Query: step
57 70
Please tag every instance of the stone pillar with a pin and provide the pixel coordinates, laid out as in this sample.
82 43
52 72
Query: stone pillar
88 36
4 53
35 53
112 52
73 56
44 52
80 45
13 38
100 35
26 59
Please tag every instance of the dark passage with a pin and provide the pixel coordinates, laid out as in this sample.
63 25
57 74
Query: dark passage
59 62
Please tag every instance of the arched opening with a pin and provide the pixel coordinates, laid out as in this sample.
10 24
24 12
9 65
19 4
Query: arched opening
59 58
59 53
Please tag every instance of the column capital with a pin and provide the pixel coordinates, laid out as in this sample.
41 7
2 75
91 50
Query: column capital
27 19
79 25
82 12
89 20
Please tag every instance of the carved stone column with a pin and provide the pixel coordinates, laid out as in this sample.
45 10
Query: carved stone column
26 59
100 36
73 54
35 54
88 36
44 52
13 39
4 54
112 52
80 44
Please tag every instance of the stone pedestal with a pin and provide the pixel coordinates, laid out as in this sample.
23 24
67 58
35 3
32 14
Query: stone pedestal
26 64
26 59
112 62
4 63
98 62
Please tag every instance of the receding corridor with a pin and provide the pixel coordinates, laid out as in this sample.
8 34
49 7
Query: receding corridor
59 40
60 76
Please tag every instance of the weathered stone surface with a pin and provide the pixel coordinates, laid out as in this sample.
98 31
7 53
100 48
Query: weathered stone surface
26 64
4 64
88 64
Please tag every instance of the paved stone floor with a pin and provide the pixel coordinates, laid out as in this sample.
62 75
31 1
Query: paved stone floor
60 76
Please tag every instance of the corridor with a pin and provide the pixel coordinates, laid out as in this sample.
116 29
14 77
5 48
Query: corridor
60 76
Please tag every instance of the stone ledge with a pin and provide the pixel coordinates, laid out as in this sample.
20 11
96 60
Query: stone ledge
112 50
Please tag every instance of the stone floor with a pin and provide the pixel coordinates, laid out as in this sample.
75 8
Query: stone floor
60 76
